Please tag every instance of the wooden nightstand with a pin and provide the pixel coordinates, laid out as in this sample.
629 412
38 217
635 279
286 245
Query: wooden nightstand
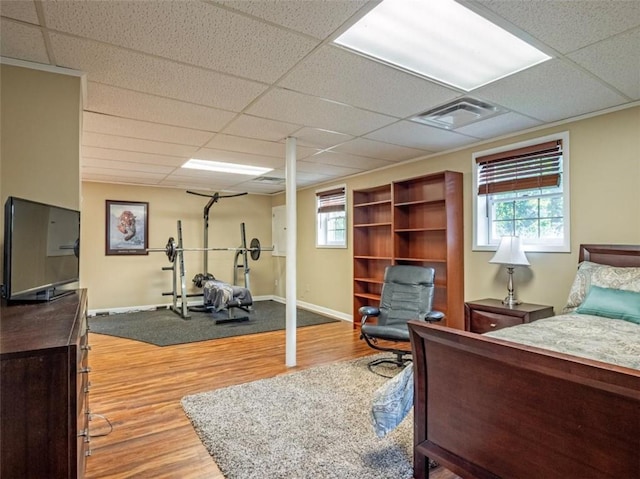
486 315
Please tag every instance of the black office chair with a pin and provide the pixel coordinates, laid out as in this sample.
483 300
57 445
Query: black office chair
407 293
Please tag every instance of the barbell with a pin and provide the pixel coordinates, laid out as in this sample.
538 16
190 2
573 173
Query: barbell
171 249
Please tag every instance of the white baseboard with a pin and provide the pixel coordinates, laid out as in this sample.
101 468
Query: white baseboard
301 304
332 313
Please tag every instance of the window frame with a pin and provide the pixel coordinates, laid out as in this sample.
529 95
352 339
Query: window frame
318 195
480 229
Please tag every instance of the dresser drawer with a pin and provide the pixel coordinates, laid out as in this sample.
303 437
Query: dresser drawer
484 321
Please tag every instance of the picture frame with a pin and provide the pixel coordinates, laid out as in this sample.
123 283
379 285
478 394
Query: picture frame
127 226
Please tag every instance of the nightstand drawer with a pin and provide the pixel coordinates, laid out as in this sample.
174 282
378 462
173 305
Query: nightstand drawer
486 315
483 321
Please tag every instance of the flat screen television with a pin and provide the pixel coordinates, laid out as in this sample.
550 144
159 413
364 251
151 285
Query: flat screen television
41 251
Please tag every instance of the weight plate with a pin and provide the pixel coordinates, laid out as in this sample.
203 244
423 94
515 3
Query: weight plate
254 246
171 250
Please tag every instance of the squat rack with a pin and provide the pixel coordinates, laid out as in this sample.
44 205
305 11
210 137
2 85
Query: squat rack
212 200
175 251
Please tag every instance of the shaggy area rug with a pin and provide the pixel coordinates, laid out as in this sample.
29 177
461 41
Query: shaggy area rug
302 425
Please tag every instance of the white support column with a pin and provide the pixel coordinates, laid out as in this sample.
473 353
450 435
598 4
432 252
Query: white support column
292 228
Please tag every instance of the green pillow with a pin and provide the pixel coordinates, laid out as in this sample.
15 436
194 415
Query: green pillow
612 303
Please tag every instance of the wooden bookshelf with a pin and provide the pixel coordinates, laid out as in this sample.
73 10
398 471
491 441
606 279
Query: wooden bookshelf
414 221
372 244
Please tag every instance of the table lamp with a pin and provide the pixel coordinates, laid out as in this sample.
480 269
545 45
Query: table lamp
510 254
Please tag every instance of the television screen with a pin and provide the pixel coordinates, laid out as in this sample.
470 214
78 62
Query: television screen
41 250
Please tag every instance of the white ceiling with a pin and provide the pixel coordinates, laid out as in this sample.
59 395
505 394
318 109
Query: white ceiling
230 80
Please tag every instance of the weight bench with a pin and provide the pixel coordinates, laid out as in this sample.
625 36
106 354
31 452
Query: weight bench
219 295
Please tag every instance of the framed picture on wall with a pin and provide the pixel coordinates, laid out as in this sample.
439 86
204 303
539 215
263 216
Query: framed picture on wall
127 224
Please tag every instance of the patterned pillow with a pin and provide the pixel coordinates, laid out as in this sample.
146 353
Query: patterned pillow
392 402
594 274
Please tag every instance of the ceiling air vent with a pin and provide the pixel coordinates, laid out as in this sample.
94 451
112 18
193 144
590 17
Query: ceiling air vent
271 180
460 112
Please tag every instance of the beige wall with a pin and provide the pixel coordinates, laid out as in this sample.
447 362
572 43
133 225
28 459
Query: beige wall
40 137
605 207
129 281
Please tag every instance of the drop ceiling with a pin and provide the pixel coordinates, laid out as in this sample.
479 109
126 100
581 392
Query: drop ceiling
231 80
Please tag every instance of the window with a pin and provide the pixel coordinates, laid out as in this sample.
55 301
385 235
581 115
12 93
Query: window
523 190
331 224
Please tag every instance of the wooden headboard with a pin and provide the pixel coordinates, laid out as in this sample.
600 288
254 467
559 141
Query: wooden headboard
611 254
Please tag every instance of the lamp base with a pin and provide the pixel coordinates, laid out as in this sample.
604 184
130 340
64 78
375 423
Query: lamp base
511 301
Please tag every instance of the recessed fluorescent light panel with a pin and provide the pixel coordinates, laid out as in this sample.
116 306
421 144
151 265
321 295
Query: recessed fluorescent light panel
225 167
442 40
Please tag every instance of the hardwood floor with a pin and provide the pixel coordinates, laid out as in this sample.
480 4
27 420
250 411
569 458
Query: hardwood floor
138 388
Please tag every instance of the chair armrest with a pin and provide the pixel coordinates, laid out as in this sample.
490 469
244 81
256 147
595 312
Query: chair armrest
369 311
433 316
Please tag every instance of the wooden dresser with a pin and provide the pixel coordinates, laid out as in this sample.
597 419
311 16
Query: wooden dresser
44 406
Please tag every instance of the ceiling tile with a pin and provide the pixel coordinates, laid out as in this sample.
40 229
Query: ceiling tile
125 166
135 71
123 180
345 159
566 92
140 106
569 25
325 170
415 135
257 187
193 32
124 175
209 180
498 125
295 107
113 125
188 183
132 156
261 128
21 41
311 16
337 74
377 149
617 61
318 138
20 10
134 144
209 176
247 145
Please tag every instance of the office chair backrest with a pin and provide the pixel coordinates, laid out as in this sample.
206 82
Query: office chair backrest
407 293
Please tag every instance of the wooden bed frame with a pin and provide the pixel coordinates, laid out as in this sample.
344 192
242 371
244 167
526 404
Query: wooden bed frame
488 408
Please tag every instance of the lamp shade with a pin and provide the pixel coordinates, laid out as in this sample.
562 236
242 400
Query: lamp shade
510 252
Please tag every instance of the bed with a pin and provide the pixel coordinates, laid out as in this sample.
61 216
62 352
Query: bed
488 407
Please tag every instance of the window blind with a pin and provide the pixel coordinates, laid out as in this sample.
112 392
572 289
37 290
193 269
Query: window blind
535 166
331 200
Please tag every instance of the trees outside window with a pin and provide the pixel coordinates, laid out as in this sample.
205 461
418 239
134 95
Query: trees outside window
523 190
